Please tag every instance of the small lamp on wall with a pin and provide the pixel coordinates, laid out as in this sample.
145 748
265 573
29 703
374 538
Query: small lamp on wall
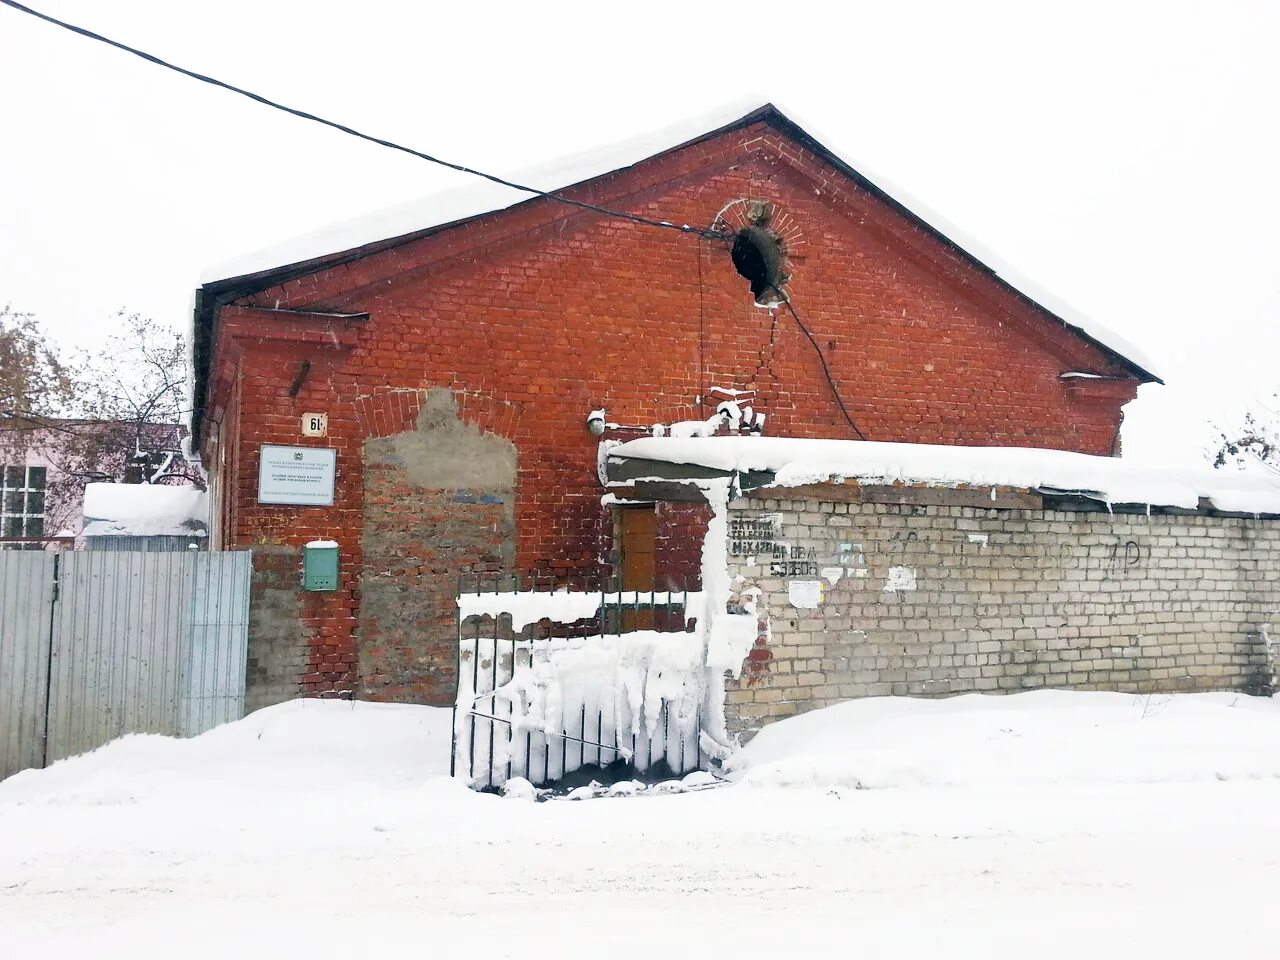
596 422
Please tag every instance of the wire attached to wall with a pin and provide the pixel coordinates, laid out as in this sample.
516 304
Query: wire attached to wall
703 233
701 328
826 371
350 131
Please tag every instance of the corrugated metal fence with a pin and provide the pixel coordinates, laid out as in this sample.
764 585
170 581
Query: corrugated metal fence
96 645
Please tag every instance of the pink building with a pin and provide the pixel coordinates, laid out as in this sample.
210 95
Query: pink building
44 472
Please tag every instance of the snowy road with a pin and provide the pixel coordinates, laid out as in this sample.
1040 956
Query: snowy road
194 849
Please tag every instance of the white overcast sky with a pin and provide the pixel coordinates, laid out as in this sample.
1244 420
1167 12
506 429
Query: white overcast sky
1126 156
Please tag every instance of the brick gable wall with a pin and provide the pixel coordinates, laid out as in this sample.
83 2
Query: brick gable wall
532 318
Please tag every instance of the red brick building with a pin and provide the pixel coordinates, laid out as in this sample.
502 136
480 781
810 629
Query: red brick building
458 360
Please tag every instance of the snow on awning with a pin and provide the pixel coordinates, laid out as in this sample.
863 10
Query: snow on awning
794 462
144 510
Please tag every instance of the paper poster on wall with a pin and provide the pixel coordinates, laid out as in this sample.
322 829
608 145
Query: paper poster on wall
900 579
805 594
302 476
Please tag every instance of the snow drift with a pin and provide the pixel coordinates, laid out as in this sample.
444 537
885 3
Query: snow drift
291 748
318 827
1025 739
289 755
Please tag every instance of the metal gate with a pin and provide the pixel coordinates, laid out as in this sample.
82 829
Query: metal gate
96 645
26 613
509 629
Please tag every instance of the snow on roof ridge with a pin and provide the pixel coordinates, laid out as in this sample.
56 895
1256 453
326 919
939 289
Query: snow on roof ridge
450 206
796 461
477 198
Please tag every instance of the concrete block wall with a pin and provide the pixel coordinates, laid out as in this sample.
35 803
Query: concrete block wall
938 599
280 655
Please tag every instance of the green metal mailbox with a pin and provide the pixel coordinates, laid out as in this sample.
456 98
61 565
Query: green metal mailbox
320 565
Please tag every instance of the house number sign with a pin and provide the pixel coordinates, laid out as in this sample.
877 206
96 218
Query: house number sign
315 424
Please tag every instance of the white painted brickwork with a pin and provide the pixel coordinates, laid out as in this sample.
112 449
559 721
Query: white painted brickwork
1004 600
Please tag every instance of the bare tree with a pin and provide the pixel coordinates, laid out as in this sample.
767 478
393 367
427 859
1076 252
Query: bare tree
132 397
116 414
1255 440
35 385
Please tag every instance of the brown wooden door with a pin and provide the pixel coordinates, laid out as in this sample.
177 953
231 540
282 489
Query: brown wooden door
637 535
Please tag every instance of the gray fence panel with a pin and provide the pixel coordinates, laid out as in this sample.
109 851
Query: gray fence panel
214 673
119 635
97 645
26 604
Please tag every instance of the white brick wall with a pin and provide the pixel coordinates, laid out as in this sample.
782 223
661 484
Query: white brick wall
1007 600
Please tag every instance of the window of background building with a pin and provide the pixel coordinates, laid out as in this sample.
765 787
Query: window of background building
22 501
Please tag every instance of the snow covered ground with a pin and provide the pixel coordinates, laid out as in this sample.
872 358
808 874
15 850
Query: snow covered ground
1046 824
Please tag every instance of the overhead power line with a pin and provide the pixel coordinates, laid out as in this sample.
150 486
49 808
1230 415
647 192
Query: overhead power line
703 232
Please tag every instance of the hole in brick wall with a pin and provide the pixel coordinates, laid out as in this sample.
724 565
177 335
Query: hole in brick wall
757 256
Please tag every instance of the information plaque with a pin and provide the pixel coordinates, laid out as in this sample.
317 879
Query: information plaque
296 475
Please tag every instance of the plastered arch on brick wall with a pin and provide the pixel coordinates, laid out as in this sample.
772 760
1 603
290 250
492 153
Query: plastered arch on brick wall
386 411
743 212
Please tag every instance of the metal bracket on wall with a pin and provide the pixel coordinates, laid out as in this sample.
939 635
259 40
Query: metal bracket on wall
300 378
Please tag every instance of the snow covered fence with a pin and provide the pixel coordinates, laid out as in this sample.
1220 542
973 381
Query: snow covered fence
553 681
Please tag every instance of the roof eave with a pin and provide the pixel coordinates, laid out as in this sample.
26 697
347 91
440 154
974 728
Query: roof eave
801 135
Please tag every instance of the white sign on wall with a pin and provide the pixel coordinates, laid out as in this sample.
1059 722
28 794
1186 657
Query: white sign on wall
296 475
805 594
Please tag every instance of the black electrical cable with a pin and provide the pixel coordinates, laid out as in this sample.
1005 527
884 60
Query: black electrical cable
702 382
304 115
825 370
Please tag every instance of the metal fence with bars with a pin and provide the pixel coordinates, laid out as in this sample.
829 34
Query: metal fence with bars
511 633
96 645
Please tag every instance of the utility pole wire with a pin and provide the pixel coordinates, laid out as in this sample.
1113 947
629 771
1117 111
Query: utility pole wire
705 233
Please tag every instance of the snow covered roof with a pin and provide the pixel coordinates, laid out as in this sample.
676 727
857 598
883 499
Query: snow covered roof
480 197
144 510
1110 479
394 224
